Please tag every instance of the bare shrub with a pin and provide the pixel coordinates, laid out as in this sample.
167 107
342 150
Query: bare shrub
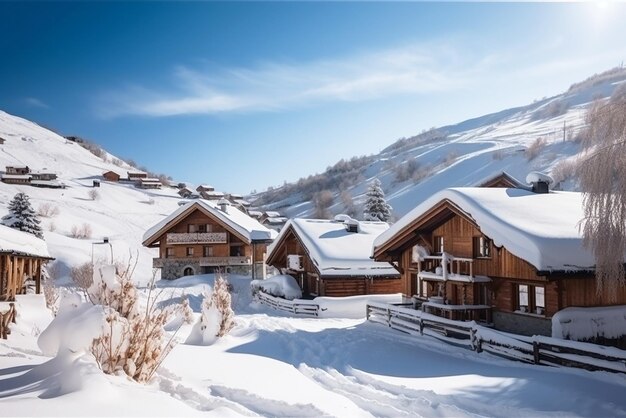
321 202
52 227
564 170
150 201
83 231
82 277
117 162
134 341
93 194
51 295
406 170
422 173
348 204
534 149
221 299
498 155
47 210
450 158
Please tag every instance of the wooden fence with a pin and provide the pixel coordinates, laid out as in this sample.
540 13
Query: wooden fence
297 306
537 349
7 316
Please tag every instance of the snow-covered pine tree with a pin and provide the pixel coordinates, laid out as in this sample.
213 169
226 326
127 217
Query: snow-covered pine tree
376 207
22 216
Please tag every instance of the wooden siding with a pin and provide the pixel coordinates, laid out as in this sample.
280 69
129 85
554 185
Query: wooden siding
14 269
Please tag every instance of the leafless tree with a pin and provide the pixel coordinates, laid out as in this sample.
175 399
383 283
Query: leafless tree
322 201
602 177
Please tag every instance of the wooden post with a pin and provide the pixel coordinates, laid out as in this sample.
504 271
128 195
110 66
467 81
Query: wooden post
536 356
38 277
20 277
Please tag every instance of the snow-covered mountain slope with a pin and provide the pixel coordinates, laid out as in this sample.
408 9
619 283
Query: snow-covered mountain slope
464 154
121 212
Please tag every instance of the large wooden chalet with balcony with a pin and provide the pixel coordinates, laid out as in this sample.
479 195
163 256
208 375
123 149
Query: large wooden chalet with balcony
204 237
511 257
332 257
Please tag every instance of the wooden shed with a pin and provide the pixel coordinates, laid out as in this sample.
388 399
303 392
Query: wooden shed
111 176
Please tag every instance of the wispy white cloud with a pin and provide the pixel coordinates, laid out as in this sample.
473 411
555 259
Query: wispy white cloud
35 102
273 86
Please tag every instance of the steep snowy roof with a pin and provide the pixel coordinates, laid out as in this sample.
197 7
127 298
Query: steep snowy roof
246 226
337 252
542 229
12 240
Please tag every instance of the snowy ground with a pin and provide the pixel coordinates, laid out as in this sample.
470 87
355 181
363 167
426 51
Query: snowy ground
274 364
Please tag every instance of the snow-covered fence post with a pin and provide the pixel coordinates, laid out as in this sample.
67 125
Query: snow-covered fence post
421 324
388 317
536 354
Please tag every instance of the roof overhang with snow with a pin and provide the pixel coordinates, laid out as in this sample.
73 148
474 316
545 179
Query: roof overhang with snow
15 242
542 229
247 229
335 252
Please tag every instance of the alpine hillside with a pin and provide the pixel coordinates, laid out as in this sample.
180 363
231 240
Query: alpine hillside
542 136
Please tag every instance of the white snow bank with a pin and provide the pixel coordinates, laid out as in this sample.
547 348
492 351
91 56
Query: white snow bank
204 331
587 323
13 240
283 286
351 306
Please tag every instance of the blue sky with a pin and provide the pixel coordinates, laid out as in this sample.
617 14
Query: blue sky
247 95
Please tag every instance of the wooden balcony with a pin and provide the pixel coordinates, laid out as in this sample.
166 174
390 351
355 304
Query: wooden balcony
204 261
197 238
446 267
436 306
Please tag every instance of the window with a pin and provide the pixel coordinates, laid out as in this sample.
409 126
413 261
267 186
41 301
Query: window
482 247
191 228
202 228
189 251
531 299
438 244
208 251
522 293
169 252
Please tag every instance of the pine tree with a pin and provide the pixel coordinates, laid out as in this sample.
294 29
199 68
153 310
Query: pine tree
376 207
22 216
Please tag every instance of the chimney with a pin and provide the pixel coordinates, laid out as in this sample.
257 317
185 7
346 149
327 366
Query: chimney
223 205
540 182
352 225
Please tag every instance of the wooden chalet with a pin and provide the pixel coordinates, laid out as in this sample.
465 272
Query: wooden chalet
17 170
22 257
111 176
149 183
45 179
203 237
2 140
212 195
206 188
185 192
502 179
332 258
506 256
136 175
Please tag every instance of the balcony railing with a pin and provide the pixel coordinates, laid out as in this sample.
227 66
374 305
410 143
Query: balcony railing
197 238
448 267
204 261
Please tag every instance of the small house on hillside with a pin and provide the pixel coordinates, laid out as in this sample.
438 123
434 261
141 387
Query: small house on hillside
204 237
212 195
136 175
269 214
256 214
332 257
2 140
185 192
111 176
205 188
45 179
149 183
502 179
22 257
507 256
276 224
16 178
17 170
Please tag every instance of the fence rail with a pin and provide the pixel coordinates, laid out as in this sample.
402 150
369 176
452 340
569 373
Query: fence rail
298 306
7 316
537 349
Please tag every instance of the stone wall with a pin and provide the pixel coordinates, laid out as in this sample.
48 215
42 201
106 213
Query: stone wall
522 324
174 269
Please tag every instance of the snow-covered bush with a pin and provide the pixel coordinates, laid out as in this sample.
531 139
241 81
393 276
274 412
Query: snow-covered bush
217 317
82 276
535 148
47 210
122 336
22 216
93 194
83 231
282 286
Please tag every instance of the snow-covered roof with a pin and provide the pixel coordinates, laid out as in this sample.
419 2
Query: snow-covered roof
249 228
16 176
541 228
272 214
149 180
213 193
13 240
337 252
279 220
205 187
255 213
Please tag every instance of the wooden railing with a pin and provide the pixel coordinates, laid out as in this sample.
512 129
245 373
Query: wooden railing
7 316
297 306
197 238
205 261
537 349
452 268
